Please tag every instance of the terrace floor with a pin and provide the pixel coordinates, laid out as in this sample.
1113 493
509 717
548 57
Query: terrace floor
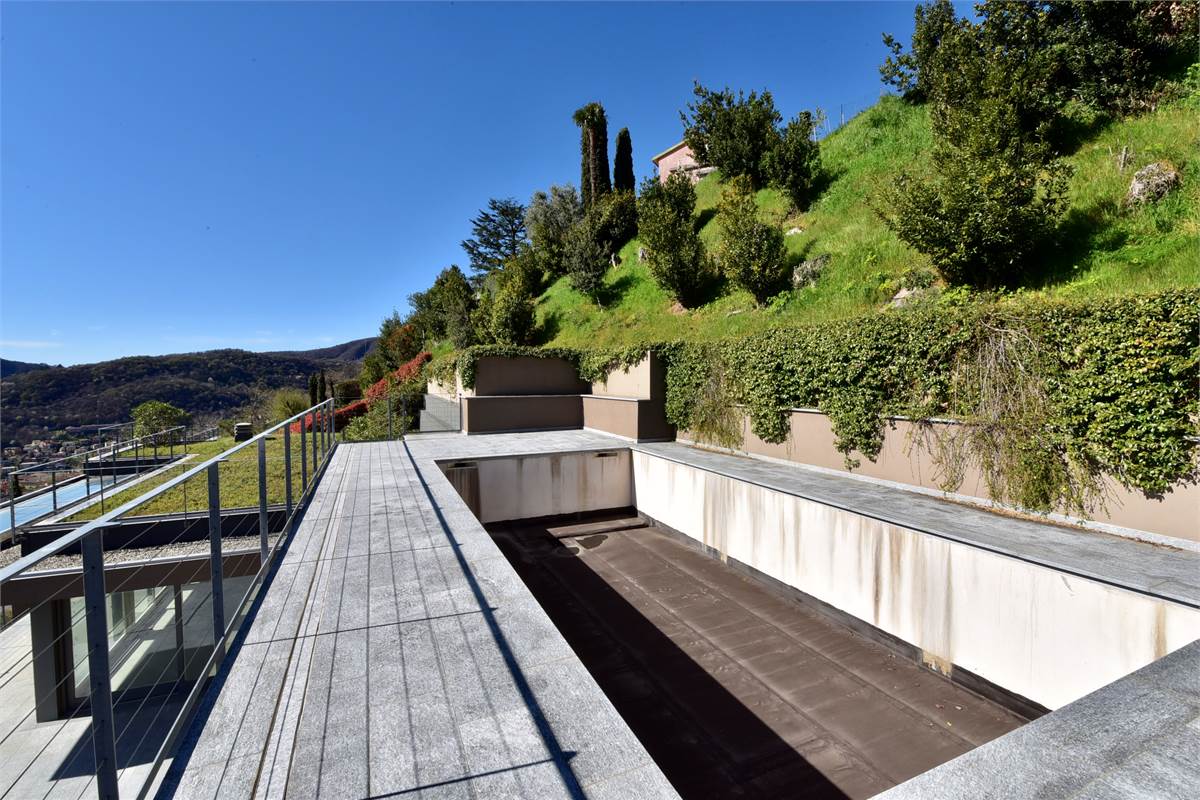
395 654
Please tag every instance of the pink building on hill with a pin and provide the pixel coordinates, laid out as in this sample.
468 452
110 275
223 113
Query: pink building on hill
679 157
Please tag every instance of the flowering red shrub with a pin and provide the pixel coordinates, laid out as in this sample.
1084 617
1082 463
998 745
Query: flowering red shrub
341 417
406 371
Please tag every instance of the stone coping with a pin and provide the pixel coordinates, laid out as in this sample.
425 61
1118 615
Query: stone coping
1137 737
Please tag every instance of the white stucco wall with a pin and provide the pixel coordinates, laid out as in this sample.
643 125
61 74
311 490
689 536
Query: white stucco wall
1040 633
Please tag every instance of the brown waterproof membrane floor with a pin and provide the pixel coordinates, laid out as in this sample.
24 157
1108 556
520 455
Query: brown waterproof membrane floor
736 689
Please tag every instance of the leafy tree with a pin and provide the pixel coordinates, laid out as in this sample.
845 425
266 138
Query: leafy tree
909 73
674 252
444 310
996 191
549 220
732 133
498 234
623 180
752 252
795 162
593 146
587 256
511 310
153 416
312 391
1113 54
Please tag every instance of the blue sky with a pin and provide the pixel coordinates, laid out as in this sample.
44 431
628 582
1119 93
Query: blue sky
281 176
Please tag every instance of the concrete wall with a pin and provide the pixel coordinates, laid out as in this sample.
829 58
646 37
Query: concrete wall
631 403
525 375
906 458
1039 633
525 487
521 413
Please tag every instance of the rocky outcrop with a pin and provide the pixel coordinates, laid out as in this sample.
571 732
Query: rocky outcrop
1151 183
807 272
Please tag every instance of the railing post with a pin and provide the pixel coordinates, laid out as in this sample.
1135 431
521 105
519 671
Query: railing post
104 743
262 499
214 554
303 456
54 488
287 468
12 507
403 416
389 407
314 447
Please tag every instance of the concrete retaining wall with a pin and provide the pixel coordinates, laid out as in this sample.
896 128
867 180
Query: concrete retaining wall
906 458
1034 631
521 413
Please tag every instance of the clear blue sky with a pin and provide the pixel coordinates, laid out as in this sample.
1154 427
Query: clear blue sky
281 176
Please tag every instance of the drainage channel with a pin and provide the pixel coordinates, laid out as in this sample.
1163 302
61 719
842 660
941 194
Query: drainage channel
735 688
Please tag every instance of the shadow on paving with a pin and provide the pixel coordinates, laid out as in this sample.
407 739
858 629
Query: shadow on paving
703 738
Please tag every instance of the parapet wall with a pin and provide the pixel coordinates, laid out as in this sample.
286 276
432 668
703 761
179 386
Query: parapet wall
907 458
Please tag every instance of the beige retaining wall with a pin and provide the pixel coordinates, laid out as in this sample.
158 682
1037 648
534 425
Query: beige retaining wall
906 458
1037 632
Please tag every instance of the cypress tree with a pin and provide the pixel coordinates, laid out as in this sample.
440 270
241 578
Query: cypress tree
323 388
623 162
312 390
593 146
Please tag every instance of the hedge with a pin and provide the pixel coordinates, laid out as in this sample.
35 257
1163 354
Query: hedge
1054 395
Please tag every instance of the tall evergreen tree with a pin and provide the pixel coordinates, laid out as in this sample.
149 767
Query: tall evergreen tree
623 162
499 235
312 390
593 145
322 388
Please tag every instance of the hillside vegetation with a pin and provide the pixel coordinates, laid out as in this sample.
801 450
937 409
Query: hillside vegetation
1105 249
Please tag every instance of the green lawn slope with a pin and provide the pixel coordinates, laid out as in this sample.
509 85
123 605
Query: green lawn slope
1107 249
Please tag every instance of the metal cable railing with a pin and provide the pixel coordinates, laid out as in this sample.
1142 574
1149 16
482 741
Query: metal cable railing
72 477
94 601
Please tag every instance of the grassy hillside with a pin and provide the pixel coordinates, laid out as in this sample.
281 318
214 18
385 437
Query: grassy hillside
1107 249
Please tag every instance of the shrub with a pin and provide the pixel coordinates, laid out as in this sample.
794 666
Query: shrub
752 253
511 308
674 253
617 221
732 133
587 256
795 162
286 403
996 193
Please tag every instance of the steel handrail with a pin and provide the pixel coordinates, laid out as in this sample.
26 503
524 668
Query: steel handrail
74 537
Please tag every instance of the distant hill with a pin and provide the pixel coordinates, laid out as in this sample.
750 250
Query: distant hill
38 402
9 367
349 351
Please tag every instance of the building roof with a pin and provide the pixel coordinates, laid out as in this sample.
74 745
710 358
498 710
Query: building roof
668 151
